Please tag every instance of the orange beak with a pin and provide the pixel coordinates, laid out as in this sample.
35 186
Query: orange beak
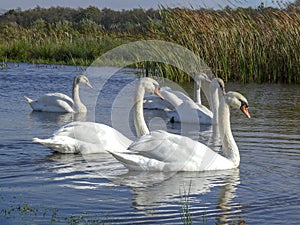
244 109
158 93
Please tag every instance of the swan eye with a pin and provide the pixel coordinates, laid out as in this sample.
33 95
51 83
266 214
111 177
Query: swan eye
221 86
243 103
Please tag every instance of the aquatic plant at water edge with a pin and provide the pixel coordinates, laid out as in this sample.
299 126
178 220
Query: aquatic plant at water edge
242 44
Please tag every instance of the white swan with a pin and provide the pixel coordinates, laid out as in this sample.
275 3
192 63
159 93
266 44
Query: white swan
163 151
173 98
90 137
85 138
58 102
193 112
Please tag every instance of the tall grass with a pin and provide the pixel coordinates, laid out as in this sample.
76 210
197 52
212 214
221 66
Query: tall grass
244 44
186 217
55 45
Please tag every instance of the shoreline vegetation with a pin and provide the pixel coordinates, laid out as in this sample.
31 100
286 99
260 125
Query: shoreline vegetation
260 45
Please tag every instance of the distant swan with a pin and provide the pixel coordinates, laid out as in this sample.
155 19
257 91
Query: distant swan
58 102
163 151
192 112
173 98
181 108
90 137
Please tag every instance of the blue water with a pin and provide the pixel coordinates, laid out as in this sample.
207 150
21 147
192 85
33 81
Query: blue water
38 186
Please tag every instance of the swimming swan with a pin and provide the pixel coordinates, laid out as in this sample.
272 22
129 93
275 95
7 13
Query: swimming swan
90 137
173 98
58 102
163 151
192 112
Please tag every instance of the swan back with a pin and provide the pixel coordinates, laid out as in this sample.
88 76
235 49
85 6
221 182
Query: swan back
163 151
86 138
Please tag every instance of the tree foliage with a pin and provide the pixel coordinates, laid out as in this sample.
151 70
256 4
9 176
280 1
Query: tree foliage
130 21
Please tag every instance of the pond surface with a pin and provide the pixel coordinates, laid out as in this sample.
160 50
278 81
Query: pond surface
41 187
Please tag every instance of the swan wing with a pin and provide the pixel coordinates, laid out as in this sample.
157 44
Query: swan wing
62 97
164 146
53 102
181 95
62 144
171 99
93 133
190 112
203 109
86 138
162 151
155 102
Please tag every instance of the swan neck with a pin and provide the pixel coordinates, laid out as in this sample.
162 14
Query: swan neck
205 87
214 99
138 115
230 149
215 96
197 92
78 105
173 99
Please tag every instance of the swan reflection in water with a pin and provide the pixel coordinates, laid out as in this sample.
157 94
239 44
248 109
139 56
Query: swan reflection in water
56 118
155 187
152 191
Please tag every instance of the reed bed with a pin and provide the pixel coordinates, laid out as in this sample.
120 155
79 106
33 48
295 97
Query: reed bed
244 45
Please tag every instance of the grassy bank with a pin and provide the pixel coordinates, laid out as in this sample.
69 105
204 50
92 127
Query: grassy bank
61 45
247 45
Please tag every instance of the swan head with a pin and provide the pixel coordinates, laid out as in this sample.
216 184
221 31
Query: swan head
151 86
82 79
201 77
237 101
218 83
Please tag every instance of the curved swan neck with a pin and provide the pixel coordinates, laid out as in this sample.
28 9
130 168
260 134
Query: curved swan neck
138 115
230 149
78 105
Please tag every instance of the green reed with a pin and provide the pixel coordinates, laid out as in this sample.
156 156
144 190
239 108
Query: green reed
244 44
186 216
55 45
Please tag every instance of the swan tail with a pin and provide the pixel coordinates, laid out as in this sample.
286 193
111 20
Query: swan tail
57 145
29 100
124 159
137 162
